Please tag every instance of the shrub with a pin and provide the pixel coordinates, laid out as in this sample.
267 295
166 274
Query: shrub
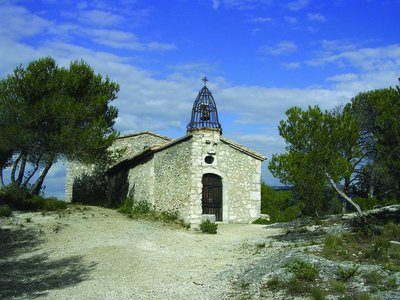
126 206
346 273
332 245
207 227
20 199
274 283
337 286
318 294
261 221
295 286
373 278
5 211
141 207
302 270
278 205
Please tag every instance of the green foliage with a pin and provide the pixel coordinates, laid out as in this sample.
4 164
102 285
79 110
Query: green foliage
208 227
49 113
5 211
357 246
377 113
278 204
126 206
144 210
295 286
261 221
302 270
337 286
373 278
347 273
274 283
318 294
21 199
319 143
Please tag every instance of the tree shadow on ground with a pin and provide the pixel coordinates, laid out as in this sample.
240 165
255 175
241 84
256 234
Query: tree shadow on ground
27 271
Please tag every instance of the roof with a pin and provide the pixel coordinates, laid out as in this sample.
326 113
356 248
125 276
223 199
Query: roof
243 149
145 132
147 153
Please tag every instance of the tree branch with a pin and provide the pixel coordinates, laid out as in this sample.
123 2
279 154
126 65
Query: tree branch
341 193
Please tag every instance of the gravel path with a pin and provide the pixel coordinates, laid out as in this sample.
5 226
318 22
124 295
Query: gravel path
97 253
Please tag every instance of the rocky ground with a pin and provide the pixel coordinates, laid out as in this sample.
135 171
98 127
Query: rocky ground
96 253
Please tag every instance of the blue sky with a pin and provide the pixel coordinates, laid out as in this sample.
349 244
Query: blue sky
261 57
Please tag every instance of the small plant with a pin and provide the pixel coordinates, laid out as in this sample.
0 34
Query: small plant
318 294
126 206
141 207
392 283
274 283
373 278
332 245
337 286
28 220
302 270
295 286
346 273
207 227
5 211
261 221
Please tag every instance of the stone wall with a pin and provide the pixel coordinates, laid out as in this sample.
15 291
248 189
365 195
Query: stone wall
240 173
141 182
244 179
172 178
130 145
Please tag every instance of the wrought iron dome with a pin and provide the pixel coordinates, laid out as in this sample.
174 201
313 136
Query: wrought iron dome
204 112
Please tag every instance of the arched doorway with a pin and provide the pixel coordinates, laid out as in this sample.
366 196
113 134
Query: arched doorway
212 196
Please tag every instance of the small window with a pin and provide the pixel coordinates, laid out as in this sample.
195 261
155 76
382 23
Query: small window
209 159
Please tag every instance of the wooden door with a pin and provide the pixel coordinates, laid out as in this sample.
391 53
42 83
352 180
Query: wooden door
212 196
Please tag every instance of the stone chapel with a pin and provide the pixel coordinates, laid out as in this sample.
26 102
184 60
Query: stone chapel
197 175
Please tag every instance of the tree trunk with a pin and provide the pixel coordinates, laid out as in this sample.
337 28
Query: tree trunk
347 198
21 169
2 185
346 190
371 186
14 168
35 189
32 172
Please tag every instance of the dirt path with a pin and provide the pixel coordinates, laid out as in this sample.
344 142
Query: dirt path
96 253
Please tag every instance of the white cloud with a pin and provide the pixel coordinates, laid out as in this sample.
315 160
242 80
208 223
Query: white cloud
241 4
260 20
97 17
17 22
316 17
366 59
215 4
283 47
157 46
343 77
297 5
290 20
292 65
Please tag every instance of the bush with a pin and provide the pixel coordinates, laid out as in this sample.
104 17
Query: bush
302 270
346 273
5 211
126 206
318 294
278 205
261 221
20 199
207 227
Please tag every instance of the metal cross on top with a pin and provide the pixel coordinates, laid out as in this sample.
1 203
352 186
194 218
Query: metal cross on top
205 80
